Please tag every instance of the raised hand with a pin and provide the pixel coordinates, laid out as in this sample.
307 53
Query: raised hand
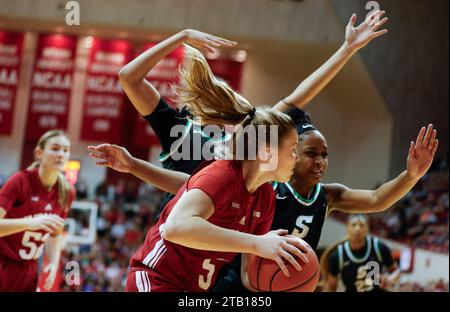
206 42
421 153
358 37
112 156
281 248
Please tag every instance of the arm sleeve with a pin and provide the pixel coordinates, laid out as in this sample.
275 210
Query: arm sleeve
11 192
162 120
386 254
333 264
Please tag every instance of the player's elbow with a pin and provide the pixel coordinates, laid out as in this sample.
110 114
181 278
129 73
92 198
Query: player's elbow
125 75
173 231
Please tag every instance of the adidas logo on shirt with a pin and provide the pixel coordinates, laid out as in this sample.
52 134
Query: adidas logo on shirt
48 207
242 221
235 205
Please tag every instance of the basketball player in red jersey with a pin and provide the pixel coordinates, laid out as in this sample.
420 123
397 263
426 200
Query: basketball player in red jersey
227 206
33 205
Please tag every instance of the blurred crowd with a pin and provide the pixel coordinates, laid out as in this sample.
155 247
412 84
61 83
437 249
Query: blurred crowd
123 221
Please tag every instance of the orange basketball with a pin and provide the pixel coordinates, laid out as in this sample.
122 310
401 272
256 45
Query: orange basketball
266 275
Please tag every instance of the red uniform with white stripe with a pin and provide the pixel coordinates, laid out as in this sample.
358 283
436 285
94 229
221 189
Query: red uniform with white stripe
23 195
160 265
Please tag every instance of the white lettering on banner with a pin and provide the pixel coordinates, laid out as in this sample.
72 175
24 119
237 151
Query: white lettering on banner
100 68
110 100
165 69
5 104
102 125
110 57
5 93
8 78
103 84
49 96
9 61
102 112
55 108
50 80
8 49
47 121
60 65
54 52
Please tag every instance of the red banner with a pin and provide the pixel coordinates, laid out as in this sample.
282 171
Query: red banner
228 70
51 84
10 56
103 118
162 76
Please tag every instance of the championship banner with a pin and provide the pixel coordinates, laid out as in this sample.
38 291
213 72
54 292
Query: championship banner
10 56
103 118
162 76
51 84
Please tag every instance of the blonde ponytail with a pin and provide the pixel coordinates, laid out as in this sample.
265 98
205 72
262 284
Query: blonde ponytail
213 100
206 96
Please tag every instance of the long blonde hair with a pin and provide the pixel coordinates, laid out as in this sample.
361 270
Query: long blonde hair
213 100
63 185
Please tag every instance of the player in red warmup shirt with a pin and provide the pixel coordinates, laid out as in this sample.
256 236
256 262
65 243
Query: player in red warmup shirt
33 205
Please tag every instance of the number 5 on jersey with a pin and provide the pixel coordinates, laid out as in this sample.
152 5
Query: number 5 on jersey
205 283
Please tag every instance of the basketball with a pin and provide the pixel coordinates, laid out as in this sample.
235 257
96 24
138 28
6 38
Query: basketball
266 275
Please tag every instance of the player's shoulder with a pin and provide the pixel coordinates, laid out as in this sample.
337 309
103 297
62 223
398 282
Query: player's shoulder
222 169
377 242
20 177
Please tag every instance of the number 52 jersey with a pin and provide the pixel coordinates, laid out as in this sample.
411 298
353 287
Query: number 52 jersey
24 196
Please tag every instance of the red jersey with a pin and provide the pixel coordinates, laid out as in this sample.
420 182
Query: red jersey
24 196
188 269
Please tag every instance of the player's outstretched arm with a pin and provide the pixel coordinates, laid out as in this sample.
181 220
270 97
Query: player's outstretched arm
142 94
118 158
420 157
355 39
49 223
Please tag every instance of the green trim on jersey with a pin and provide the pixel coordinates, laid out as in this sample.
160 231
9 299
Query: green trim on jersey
274 185
352 256
376 243
300 199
